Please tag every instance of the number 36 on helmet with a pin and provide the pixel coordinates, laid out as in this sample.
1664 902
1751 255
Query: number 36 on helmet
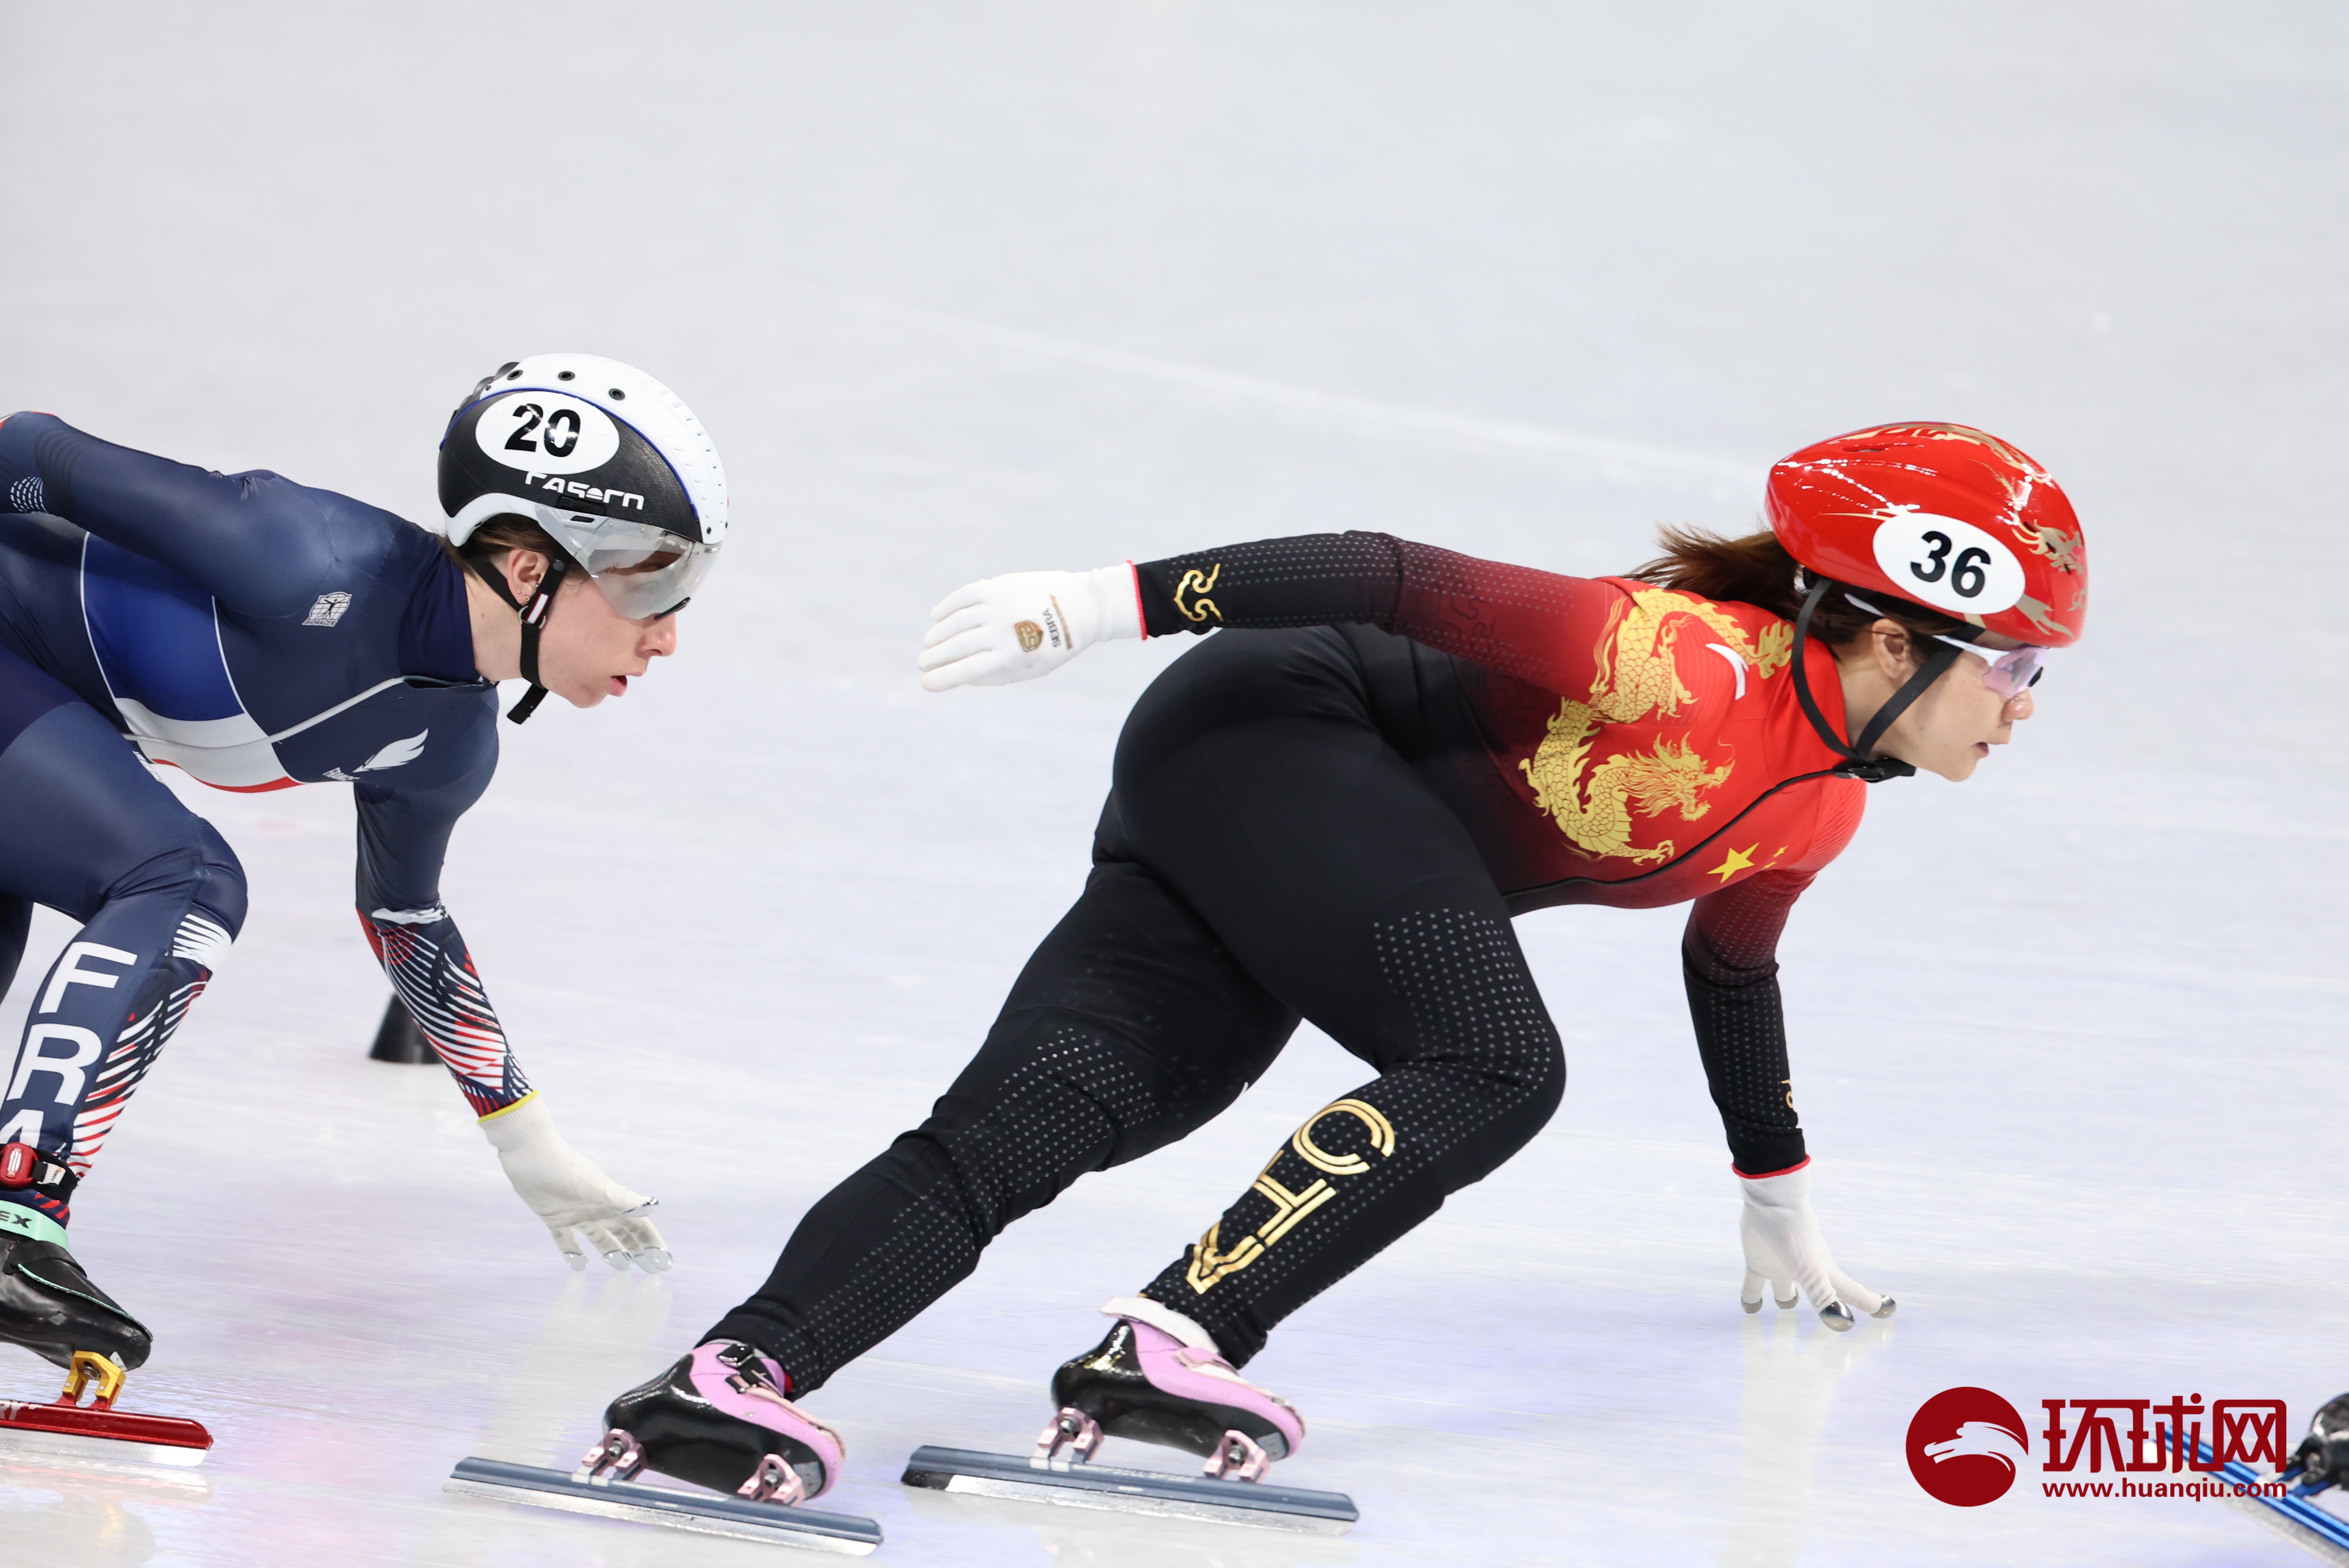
1944 516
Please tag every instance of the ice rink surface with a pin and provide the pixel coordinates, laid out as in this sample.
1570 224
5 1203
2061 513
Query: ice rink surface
969 288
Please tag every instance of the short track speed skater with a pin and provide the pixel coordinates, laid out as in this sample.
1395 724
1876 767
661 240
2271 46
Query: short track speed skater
1143 1382
717 1418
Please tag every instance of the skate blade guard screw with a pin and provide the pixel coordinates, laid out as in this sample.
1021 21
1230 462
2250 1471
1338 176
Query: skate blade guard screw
773 1481
1071 1428
1237 1458
89 1365
618 1456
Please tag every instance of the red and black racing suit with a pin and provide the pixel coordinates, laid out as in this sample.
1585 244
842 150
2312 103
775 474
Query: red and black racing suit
1331 812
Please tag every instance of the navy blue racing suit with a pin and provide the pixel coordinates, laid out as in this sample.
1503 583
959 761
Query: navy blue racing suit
256 634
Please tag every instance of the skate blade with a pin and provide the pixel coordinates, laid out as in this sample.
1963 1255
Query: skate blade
101 1437
703 1514
153 1463
2292 1516
1116 1491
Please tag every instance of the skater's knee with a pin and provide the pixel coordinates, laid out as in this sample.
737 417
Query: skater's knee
219 883
202 873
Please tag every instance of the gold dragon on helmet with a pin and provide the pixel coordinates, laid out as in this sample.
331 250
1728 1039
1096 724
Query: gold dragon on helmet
1637 680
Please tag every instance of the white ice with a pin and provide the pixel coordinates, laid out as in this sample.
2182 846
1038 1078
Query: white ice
964 288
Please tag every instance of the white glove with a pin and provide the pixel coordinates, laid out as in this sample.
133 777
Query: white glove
564 1188
998 629
1784 1247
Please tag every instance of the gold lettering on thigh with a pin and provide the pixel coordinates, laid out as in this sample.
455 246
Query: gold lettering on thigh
1382 1137
1210 1264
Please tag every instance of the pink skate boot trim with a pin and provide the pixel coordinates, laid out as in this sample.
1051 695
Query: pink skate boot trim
1161 1317
1207 1377
762 1405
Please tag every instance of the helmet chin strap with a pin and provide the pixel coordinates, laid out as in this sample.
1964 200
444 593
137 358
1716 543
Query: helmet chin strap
1859 760
534 620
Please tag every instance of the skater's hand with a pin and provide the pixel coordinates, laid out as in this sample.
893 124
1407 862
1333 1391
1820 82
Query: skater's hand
1014 628
563 1188
1785 1249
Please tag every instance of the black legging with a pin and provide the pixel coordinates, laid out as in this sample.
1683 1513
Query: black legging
1265 853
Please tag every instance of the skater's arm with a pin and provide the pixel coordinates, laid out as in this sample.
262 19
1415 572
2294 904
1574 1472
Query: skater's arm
258 543
403 834
1538 627
404 824
1728 963
1514 619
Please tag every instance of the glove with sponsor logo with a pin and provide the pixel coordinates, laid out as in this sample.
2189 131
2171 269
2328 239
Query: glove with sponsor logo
1012 628
1785 1249
567 1191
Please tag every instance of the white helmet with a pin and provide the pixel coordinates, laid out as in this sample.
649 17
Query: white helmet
606 458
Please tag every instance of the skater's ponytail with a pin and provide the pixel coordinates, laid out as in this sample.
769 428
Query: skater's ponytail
1756 570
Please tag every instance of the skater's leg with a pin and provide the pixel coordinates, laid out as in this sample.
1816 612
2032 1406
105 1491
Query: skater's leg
1130 1025
90 833
1252 779
84 830
15 926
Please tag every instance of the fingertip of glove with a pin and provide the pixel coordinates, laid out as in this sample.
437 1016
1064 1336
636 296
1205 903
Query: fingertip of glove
1838 1316
1751 1306
655 1260
578 1262
1886 1309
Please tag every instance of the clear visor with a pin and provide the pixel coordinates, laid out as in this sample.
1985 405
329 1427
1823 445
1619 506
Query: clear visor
642 569
2013 671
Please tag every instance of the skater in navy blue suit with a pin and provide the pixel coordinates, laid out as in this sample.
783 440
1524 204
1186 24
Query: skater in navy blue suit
258 634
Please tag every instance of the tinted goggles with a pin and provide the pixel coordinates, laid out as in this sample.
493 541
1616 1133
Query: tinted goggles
642 569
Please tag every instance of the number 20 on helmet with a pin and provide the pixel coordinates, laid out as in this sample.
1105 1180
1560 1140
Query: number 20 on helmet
1944 516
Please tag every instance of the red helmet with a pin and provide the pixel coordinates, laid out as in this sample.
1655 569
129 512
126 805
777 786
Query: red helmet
1942 515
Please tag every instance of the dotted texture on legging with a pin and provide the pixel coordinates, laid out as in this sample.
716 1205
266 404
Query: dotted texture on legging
1055 1115
1481 1075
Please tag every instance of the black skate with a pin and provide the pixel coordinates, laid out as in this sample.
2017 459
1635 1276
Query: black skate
1155 1379
1141 1383
2323 1456
48 1306
2284 1500
716 1419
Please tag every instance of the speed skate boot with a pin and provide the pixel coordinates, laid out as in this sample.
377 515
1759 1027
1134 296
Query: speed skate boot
718 1418
1159 1378
48 1306
2323 1455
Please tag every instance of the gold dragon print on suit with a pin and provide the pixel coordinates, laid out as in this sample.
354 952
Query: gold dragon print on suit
1638 679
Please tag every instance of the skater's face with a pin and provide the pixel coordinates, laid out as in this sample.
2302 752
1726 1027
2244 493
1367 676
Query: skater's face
588 651
1950 729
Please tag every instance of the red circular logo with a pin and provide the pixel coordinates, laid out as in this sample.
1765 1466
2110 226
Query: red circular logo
1965 1445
